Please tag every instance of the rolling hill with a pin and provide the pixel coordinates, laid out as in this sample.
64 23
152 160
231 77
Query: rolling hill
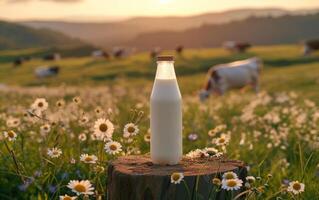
116 33
259 31
15 36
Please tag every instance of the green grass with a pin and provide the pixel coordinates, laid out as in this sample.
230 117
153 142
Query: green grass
124 85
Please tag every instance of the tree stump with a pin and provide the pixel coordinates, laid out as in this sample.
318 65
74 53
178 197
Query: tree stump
137 178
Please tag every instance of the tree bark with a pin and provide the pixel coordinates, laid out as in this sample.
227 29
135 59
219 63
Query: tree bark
137 178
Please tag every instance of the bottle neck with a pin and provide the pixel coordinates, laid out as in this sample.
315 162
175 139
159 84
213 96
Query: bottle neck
165 70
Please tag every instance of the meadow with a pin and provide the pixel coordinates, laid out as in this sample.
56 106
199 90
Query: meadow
275 132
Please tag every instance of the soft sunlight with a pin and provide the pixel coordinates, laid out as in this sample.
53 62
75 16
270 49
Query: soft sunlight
165 1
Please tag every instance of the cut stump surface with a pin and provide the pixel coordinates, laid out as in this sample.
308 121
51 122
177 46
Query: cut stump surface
137 178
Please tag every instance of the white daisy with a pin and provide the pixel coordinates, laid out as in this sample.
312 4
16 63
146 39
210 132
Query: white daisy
147 137
230 175
40 104
296 187
82 137
130 129
177 177
221 141
81 187
45 129
10 135
103 128
13 122
67 197
84 120
99 111
113 147
88 158
54 152
77 100
231 184
60 103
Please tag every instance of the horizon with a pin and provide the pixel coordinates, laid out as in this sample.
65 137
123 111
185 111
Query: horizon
60 11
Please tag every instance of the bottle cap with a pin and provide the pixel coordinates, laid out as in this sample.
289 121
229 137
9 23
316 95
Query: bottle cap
165 58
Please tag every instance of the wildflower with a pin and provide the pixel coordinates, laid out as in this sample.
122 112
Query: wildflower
82 137
67 197
88 158
40 104
147 137
103 128
13 122
192 137
77 100
81 187
113 147
230 175
46 128
216 181
130 129
295 187
221 141
54 152
72 161
98 111
10 135
176 178
250 179
84 120
231 184
212 152
60 103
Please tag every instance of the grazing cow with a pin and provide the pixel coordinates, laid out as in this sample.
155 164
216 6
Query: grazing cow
311 46
100 54
47 71
179 49
155 52
236 47
53 56
232 75
118 52
18 62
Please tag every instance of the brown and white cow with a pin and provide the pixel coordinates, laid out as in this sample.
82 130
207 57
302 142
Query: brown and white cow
311 46
228 76
236 47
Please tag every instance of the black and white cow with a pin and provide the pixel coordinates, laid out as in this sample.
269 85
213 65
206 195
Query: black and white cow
228 76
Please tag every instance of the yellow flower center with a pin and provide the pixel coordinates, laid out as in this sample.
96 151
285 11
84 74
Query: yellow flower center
67 198
40 104
55 153
88 159
131 129
229 176
176 176
80 188
11 134
296 186
231 183
221 140
113 147
216 181
103 127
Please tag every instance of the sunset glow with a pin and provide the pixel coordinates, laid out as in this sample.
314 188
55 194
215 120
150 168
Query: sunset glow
110 9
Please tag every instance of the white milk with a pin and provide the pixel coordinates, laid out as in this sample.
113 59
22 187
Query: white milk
166 116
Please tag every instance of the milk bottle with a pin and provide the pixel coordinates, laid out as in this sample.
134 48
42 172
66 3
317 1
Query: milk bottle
166 115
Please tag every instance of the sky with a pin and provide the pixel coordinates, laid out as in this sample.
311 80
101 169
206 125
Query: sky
108 10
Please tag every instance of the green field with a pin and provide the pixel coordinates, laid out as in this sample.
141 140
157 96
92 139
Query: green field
275 133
